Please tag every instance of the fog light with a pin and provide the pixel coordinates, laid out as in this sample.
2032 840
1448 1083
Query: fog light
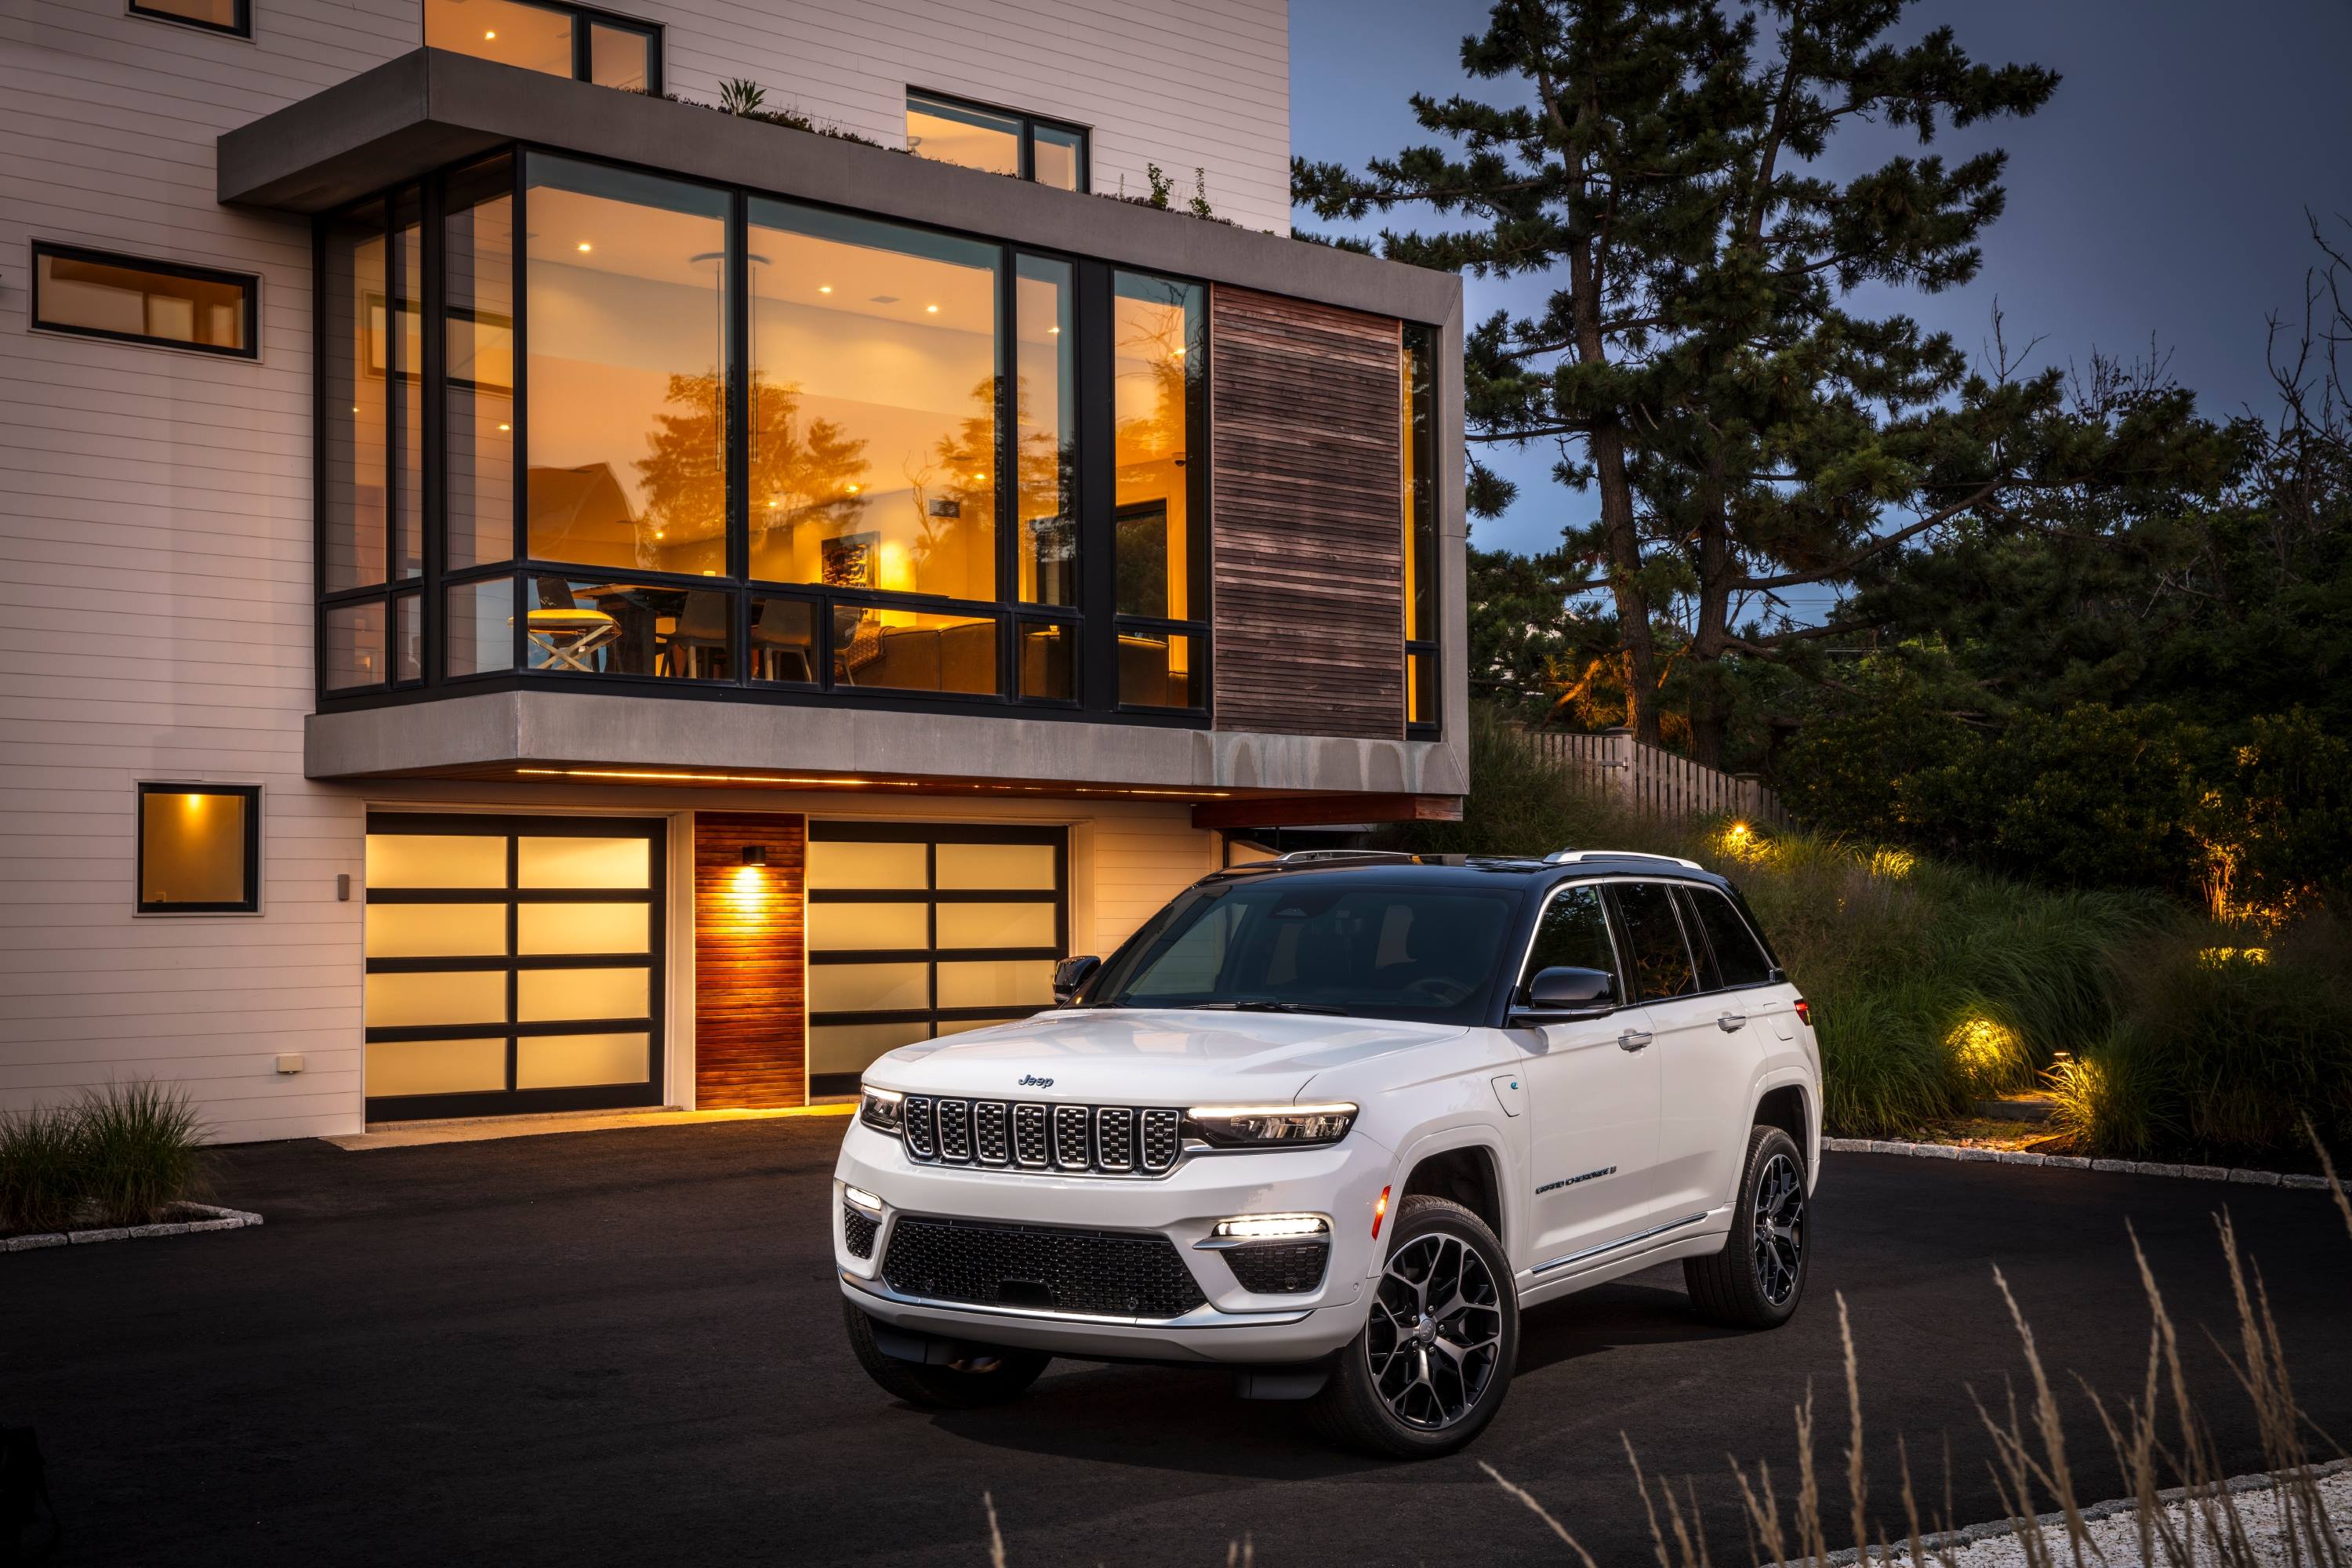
860 1197
1273 1226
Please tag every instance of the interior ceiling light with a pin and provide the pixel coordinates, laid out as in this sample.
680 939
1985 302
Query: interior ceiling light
824 287
931 309
487 36
583 245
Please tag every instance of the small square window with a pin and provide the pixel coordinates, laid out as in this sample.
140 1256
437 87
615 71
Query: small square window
96 294
199 850
232 17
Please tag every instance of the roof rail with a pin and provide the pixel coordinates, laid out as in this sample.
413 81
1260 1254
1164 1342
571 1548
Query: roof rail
1570 857
1298 854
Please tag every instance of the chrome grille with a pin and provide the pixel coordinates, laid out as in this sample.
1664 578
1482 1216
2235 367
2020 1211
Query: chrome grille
1091 1139
917 1112
1161 1139
1029 1134
988 1132
1115 1137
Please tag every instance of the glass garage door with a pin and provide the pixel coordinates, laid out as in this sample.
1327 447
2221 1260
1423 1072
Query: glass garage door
924 929
513 965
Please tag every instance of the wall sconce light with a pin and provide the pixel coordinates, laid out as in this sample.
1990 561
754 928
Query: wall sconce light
755 853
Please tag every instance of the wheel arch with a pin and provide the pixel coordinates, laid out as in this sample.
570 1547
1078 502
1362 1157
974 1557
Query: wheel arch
1788 1105
1467 1165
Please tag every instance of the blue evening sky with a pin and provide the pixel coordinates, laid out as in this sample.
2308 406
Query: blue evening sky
2161 194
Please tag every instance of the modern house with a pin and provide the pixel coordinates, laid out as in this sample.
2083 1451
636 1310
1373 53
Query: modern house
527 592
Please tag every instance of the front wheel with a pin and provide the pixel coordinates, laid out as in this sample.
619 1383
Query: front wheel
1755 1281
982 1376
1429 1367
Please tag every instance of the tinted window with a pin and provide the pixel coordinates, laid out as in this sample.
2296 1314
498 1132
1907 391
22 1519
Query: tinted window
1741 961
1573 933
1340 944
1654 938
134 300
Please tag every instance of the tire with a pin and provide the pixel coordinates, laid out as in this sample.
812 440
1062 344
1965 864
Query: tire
985 1376
1758 1278
1433 1361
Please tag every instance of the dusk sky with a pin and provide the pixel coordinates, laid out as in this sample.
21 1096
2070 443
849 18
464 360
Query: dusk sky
2162 192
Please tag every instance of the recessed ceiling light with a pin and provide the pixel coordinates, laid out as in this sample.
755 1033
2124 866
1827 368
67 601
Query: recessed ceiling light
1053 332
853 489
583 245
489 36
824 287
933 310
506 427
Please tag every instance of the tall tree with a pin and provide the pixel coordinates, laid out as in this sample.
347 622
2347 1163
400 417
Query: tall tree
1740 431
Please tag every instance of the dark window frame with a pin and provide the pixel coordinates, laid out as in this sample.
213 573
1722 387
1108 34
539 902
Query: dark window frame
248 905
1093 281
1695 930
1028 134
248 283
583 47
654 960
1419 344
240 28
934 834
1700 959
1620 971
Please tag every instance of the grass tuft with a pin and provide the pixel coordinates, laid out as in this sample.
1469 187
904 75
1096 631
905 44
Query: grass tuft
122 1155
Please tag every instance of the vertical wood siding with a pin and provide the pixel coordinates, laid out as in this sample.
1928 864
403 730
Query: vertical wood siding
750 962
1306 514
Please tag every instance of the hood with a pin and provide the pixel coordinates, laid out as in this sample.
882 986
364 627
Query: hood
1147 1057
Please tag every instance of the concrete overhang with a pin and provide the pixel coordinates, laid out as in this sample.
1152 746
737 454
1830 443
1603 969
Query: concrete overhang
429 109
599 737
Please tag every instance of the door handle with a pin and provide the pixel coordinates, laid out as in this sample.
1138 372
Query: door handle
1731 1021
1633 1039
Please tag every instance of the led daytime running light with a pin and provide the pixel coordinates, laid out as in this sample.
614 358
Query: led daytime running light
883 1109
860 1198
1273 1226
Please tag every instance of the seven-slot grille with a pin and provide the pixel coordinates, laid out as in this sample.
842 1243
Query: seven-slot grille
1095 1140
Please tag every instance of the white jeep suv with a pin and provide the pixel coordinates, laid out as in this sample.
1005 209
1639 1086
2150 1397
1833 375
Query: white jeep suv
1334 1120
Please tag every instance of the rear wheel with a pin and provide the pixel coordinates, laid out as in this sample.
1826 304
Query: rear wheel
1755 1281
981 1376
1429 1367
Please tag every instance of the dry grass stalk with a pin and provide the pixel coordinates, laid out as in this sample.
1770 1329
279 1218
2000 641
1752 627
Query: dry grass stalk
1541 1512
996 1536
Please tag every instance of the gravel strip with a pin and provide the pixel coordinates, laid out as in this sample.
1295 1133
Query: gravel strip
211 1217
2072 1163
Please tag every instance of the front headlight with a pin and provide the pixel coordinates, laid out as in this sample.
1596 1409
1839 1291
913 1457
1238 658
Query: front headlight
1257 1126
882 1109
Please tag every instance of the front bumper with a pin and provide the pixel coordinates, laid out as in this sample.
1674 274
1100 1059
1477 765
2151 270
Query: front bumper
1342 1181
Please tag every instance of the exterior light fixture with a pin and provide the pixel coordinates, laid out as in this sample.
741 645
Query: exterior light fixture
1273 1226
755 853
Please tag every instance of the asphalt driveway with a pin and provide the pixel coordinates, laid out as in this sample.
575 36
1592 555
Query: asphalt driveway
625 1348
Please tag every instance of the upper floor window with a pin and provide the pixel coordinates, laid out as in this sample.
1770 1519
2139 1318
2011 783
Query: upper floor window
232 17
98 294
560 40
999 140
1419 403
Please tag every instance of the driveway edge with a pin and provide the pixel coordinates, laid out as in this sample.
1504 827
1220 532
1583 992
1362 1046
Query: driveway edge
217 1218
2074 1163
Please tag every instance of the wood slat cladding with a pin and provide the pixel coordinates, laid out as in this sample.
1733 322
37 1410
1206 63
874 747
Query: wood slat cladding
750 960
1305 518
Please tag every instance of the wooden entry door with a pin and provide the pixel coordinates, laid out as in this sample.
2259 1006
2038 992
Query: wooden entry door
750 963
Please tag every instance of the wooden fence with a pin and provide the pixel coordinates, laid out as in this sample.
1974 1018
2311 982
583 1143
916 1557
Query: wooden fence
1657 783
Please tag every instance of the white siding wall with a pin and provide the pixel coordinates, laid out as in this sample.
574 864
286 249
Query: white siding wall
155 560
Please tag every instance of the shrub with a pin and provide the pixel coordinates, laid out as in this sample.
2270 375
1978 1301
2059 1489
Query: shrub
40 1170
2116 1099
122 1155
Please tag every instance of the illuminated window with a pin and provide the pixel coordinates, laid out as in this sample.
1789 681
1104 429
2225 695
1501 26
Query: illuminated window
1419 402
1159 563
231 16
96 294
199 850
997 140
559 40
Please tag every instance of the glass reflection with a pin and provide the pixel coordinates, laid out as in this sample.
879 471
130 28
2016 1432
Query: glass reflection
873 439
1056 156
357 429
532 37
952 134
1159 335
1158 670
1044 351
908 650
627 429
629 628
477 273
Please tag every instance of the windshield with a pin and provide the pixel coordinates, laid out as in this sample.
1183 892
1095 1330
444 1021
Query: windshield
1348 945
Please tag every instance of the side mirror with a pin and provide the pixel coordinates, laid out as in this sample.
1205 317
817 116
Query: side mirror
1568 992
1071 975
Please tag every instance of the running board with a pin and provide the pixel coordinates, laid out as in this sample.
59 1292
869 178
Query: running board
1622 1241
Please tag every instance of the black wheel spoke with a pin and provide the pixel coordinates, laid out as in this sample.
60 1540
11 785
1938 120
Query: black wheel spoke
1776 1228
1435 1336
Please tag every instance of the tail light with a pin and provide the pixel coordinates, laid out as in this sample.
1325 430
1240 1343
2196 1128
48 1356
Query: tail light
1804 1012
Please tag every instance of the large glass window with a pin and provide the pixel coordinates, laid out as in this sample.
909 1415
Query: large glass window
915 931
1045 395
995 140
371 446
560 41
199 849
1159 342
96 294
478 396
627 430
872 433
1419 403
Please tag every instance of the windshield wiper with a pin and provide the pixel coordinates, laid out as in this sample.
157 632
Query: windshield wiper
1269 1007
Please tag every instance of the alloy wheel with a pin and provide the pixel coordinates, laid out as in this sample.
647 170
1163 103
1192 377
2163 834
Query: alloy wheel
1777 1228
1435 1332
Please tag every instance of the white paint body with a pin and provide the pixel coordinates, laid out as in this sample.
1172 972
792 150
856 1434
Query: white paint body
1667 1122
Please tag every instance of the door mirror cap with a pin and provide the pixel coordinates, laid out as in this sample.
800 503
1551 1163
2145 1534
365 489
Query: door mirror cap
1565 992
1071 975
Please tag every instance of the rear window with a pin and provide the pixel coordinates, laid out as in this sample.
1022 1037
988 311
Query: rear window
1345 944
1738 960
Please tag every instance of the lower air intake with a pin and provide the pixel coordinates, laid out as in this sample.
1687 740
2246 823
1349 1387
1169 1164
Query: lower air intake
1096 1273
